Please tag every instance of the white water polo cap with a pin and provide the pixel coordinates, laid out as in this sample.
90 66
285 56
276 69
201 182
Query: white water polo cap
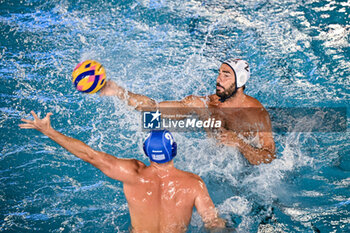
241 70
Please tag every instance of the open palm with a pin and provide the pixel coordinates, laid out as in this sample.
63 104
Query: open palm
39 124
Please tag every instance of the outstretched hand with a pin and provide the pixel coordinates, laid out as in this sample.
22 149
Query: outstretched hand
41 125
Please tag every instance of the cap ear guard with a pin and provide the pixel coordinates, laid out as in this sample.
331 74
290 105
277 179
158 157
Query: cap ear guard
242 79
174 150
241 69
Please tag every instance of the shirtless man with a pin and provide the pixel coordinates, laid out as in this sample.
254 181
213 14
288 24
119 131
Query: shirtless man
160 197
245 122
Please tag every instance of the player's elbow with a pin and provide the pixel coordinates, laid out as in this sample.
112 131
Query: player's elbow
145 105
89 155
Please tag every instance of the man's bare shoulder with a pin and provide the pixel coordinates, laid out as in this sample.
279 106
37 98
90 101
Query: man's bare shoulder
213 97
138 166
187 174
251 102
257 113
192 179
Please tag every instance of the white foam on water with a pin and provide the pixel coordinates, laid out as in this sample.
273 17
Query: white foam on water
164 61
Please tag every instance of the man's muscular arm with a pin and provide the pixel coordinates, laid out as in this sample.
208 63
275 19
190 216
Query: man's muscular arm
206 208
139 102
265 151
144 103
124 170
254 155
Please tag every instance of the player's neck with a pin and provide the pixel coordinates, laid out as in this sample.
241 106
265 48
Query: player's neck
163 167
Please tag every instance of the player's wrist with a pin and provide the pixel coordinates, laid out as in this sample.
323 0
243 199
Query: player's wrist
47 131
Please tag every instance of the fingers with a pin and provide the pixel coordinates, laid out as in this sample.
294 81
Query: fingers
34 115
26 126
48 117
27 121
37 121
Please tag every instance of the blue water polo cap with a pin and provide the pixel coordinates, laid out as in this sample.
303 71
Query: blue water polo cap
160 146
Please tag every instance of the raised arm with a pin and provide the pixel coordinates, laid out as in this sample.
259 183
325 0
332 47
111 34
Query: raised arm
206 208
142 102
139 102
125 170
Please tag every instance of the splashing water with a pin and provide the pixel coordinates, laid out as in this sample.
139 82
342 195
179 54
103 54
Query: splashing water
299 56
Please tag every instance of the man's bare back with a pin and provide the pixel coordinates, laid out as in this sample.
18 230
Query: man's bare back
160 189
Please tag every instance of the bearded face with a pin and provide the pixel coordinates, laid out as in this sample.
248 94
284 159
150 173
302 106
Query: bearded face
225 93
225 82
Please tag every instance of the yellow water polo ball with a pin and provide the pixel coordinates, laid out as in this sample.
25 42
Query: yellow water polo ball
89 76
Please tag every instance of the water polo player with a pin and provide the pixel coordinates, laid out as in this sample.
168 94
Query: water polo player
160 197
246 123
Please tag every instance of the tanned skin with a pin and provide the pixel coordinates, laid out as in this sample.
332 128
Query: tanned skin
243 117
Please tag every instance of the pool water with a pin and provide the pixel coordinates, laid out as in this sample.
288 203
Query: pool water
299 57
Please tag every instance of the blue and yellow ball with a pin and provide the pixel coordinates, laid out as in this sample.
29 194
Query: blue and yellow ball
89 76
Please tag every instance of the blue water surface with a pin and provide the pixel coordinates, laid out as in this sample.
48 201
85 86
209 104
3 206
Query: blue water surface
299 57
